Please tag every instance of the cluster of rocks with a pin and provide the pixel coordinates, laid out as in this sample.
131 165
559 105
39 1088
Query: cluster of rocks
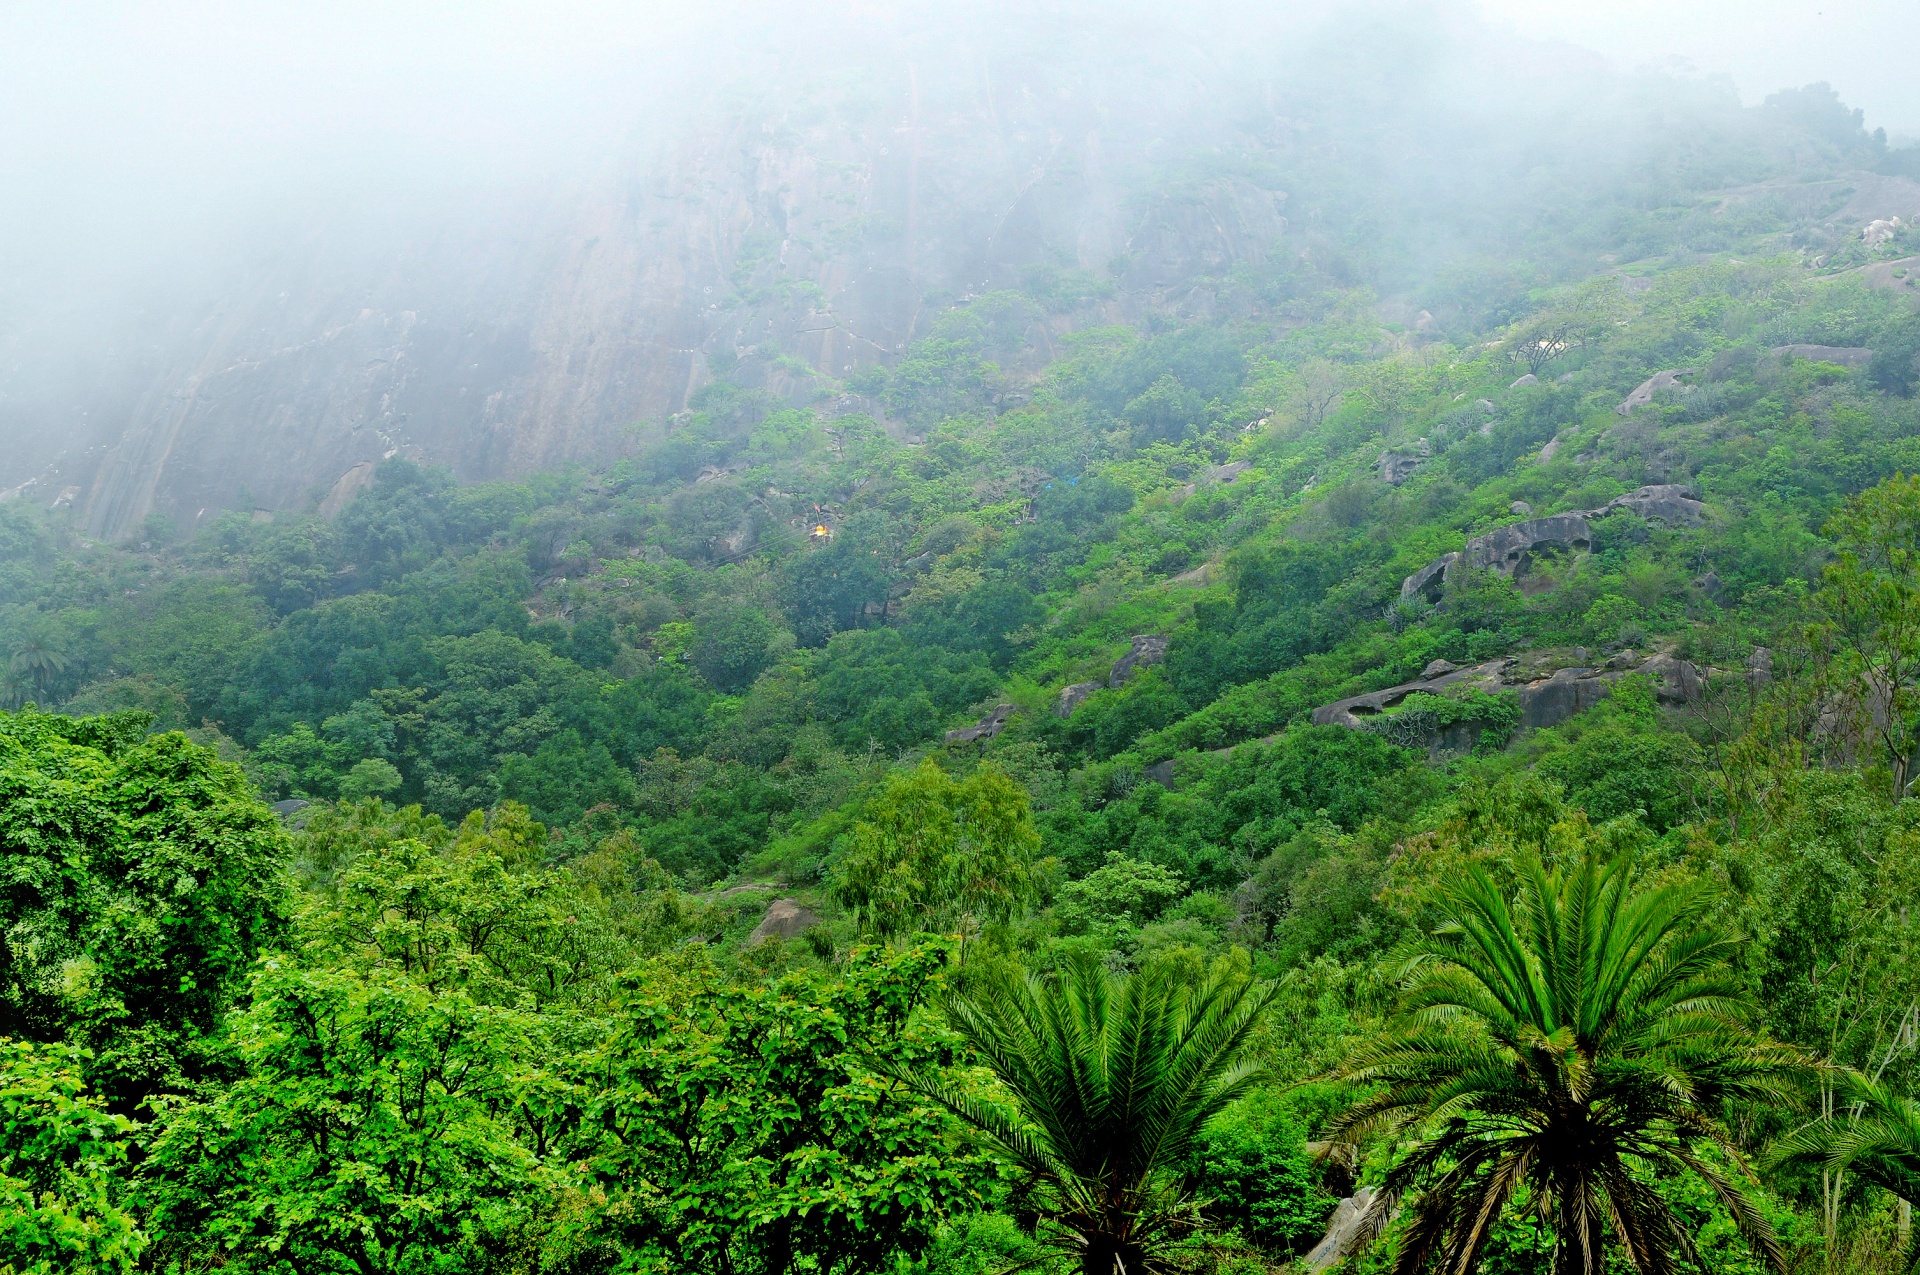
1548 691
1221 475
1147 648
1510 550
1396 467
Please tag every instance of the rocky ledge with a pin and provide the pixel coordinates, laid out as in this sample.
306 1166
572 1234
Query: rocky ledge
1510 550
1548 691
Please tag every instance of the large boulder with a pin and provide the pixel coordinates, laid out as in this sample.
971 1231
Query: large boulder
784 919
1352 1222
1071 697
1510 550
1672 503
1440 676
1644 392
1148 648
1547 695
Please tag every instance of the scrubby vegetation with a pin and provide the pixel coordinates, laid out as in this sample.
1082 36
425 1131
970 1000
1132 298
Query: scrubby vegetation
1634 985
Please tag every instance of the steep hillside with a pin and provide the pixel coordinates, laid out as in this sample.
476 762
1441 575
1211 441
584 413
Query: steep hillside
793 224
1275 581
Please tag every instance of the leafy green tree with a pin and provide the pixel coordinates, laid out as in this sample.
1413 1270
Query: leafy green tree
1121 890
1875 1135
61 1163
474 912
733 643
373 777
1107 1083
931 852
371 1134
1257 1175
842 586
1870 597
1564 1044
34 664
748 1128
141 879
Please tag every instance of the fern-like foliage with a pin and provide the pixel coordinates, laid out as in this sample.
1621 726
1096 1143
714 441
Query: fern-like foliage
1579 1039
1105 1083
1874 1133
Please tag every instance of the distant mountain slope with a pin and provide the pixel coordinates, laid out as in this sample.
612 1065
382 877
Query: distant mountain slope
795 229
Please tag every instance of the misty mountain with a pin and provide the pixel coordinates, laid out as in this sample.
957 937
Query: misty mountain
810 203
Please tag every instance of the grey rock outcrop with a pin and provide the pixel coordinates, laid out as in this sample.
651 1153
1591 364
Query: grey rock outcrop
784 919
1429 580
1148 648
1354 711
1670 502
1844 355
1522 508
1396 466
987 727
1528 379
1352 1220
1644 392
1071 697
504 327
1546 697
1510 550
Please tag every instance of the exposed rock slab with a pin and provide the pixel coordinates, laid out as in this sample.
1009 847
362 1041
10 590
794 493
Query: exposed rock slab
1510 550
987 727
1546 698
1347 1228
784 919
1071 697
1148 648
1644 392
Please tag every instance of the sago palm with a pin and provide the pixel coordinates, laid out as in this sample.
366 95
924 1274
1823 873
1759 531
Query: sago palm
1107 1082
1578 1040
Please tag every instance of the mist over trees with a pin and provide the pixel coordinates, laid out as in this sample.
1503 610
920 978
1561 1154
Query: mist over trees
1075 638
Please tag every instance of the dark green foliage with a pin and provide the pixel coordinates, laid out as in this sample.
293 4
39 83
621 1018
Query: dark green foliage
747 1126
1259 1178
142 879
733 644
881 686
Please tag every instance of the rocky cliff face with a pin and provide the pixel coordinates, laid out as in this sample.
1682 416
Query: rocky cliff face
564 325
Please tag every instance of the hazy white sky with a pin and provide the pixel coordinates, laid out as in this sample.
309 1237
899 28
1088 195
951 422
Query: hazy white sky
1867 49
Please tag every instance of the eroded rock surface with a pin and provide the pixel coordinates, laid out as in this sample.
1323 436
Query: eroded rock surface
1844 355
1348 1226
986 728
1071 697
1148 648
1510 550
1548 692
784 919
1644 392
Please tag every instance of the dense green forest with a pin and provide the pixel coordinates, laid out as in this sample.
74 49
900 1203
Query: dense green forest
899 839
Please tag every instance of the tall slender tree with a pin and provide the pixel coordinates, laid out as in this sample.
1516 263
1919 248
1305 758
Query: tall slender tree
1565 1045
